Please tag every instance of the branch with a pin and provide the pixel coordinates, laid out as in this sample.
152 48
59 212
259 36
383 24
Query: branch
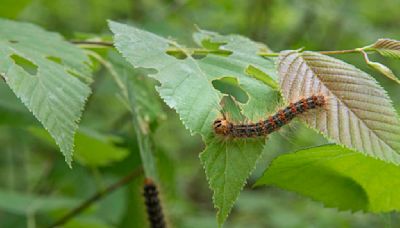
204 51
99 195
357 50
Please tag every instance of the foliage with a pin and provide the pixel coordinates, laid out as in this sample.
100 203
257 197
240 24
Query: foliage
46 77
338 177
123 123
186 86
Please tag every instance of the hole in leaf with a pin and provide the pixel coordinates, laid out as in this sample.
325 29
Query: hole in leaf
13 41
26 64
210 44
176 52
215 47
198 56
55 59
230 86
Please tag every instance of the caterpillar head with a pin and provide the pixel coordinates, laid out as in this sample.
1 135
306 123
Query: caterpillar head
222 126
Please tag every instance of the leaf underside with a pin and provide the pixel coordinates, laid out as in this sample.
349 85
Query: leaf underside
358 114
387 47
338 177
54 92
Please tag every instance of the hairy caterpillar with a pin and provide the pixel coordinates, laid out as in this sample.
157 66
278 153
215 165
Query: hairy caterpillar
272 123
153 205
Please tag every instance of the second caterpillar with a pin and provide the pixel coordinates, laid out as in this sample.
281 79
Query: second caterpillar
272 123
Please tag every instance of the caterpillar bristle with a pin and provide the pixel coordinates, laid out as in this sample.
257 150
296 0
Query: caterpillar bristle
272 123
153 204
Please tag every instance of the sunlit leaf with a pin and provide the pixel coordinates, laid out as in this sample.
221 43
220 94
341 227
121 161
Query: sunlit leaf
358 113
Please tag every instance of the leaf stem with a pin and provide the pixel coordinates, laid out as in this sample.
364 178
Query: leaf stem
99 195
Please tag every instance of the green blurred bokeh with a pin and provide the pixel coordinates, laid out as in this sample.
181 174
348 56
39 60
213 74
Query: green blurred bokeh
30 167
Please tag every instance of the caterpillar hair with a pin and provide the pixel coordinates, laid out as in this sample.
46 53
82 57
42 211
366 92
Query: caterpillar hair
272 123
153 205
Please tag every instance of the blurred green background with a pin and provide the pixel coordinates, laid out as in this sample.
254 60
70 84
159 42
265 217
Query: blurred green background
37 187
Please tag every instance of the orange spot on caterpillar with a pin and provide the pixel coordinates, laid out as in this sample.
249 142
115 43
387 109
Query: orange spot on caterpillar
293 108
282 116
272 123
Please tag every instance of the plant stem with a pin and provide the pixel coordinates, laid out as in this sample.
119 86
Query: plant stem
99 195
204 51
339 52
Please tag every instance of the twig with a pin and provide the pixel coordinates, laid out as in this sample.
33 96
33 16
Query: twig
99 195
204 51
357 50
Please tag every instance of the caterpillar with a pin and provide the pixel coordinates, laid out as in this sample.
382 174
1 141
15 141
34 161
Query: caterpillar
272 123
153 205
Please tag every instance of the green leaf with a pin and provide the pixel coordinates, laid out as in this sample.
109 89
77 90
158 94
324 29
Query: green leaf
386 47
186 86
227 166
12 112
358 114
19 203
383 70
380 68
44 71
338 177
91 148
260 75
141 100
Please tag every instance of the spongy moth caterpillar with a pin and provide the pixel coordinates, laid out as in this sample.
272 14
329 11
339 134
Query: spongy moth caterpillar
153 205
272 123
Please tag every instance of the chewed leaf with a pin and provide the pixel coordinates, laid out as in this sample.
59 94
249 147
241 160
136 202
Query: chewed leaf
50 78
358 115
186 84
386 47
338 177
